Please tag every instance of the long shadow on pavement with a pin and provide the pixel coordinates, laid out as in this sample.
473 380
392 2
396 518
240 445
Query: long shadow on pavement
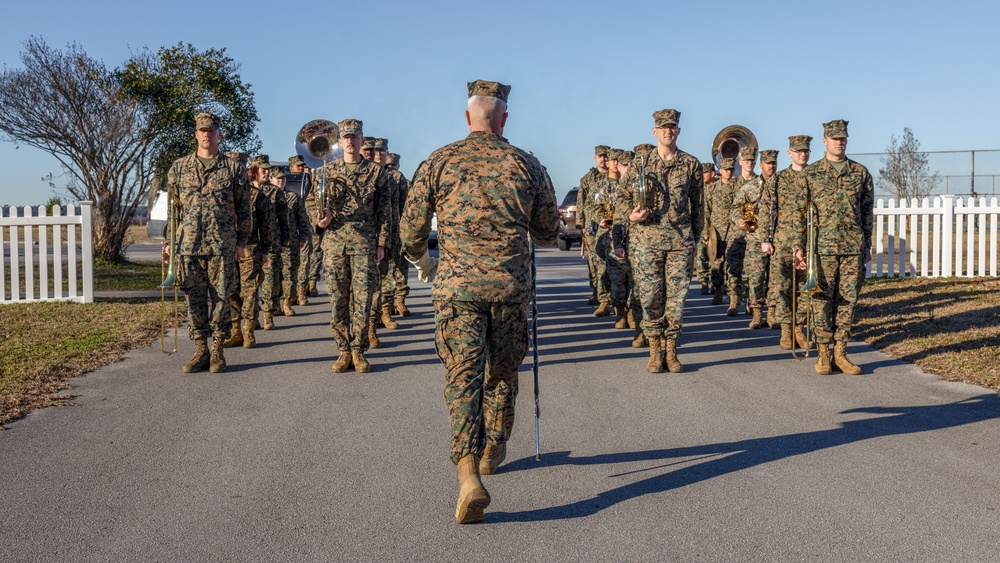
715 460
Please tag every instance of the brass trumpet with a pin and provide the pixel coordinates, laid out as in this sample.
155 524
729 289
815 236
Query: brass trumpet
811 285
172 277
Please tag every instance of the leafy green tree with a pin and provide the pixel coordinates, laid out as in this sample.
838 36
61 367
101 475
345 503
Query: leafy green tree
179 82
115 132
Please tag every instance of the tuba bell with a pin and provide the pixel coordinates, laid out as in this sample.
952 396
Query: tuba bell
728 143
316 143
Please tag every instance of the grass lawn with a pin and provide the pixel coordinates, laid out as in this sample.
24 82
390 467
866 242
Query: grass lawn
947 326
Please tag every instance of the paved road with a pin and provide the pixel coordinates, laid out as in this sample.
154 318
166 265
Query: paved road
749 456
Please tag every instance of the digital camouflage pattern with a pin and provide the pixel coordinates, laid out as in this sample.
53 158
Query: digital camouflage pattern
401 272
213 205
270 288
251 273
482 233
718 205
786 206
618 271
397 183
482 385
845 207
755 262
664 242
306 253
587 219
299 232
316 259
490 197
360 203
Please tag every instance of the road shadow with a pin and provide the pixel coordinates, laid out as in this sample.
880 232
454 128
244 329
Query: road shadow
686 466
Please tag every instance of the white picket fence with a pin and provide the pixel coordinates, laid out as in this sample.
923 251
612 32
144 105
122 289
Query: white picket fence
947 237
20 228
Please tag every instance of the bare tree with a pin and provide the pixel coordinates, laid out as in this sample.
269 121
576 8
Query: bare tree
905 171
68 105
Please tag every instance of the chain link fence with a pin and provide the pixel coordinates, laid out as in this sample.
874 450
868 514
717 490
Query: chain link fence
969 173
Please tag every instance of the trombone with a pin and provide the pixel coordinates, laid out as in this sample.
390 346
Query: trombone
172 277
811 285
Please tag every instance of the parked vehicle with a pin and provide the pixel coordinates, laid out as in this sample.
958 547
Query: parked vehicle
569 232
156 227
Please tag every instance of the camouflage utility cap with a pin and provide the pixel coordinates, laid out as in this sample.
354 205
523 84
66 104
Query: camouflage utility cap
835 129
727 164
368 144
490 89
277 173
613 154
381 144
748 153
707 167
601 150
393 158
261 161
296 161
643 149
207 121
350 127
625 157
769 156
667 117
799 142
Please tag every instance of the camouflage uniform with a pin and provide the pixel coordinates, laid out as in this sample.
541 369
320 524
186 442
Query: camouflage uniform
718 204
586 213
785 208
489 197
299 231
359 201
703 270
244 302
845 210
664 242
306 252
755 262
270 289
619 271
736 241
401 269
214 209
316 259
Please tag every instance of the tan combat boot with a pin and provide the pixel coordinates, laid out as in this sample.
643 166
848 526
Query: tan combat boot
200 359
286 307
493 456
734 304
823 361
472 496
361 365
268 320
717 297
343 362
655 364
373 341
621 321
771 322
786 336
592 300
303 295
756 321
639 341
235 336
313 292
670 349
218 360
631 319
387 321
249 340
603 310
800 339
840 360
256 322
401 306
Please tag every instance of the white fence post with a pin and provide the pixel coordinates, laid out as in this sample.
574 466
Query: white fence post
86 228
947 232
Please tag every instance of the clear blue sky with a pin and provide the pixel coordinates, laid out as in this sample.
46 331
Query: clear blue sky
583 73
